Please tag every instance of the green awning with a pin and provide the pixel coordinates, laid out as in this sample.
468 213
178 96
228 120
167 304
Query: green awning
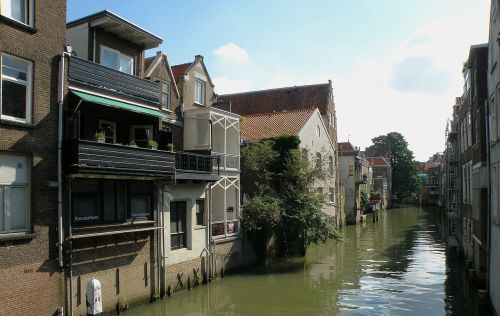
116 104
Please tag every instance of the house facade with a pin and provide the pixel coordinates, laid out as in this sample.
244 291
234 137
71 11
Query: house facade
315 145
354 172
32 39
381 180
493 97
295 98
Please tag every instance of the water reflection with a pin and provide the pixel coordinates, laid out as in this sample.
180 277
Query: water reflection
397 266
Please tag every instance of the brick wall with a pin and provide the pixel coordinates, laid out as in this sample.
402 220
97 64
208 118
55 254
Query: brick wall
124 264
31 281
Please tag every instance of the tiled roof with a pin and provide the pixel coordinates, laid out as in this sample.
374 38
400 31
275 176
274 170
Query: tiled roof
262 126
179 70
378 161
347 149
281 99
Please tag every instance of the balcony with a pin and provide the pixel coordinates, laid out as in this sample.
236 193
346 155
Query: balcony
83 156
195 166
87 75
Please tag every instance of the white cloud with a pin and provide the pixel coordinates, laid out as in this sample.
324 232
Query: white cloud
391 92
227 85
232 53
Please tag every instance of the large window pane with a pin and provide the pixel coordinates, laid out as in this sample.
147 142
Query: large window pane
109 59
13 99
15 68
18 208
121 200
126 64
108 191
15 9
86 201
140 198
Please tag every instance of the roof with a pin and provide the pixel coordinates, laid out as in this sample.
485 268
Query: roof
148 61
115 24
378 161
179 70
281 99
347 149
262 126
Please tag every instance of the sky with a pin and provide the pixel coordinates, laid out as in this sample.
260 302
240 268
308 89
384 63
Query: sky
395 65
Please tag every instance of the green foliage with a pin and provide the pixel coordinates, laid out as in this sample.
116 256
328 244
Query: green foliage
282 201
405 179
365 197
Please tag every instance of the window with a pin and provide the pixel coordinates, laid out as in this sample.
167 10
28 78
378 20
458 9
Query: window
114 59
141 135
109 129
199 91
330 165
178 225
351 170
14 193
493 120
109 201
318 160
469 129
318 131
19 10
165 96
200 212
331 195
16 89
140 199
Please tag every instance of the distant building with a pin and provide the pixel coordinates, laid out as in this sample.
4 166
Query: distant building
382 178
315 144
354 172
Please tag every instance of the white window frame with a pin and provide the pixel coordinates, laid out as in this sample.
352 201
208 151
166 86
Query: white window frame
120 54
6 201
28 12
163 93
331 165
113 124
199 84
29 89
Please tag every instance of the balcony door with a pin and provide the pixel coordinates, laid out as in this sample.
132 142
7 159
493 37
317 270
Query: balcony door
141 134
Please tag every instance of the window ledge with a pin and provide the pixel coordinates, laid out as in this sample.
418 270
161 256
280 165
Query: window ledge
198 227
19 25
166 110
222 239
112 226
198 103
15 123
16 236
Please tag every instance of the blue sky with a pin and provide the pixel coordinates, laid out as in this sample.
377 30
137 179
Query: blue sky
395 64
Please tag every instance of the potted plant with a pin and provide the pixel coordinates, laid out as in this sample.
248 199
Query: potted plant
100 136
152 144
170 147
133 144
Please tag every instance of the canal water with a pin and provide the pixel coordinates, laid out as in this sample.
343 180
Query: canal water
396 266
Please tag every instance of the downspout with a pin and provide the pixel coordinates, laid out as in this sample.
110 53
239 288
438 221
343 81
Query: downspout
59 163
488 195
159 232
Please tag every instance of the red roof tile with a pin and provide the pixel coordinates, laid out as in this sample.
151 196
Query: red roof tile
281 99
179 70
347 149
262 126
378 161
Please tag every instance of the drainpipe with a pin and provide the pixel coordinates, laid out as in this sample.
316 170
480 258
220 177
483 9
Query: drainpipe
159 232
59 163
488 195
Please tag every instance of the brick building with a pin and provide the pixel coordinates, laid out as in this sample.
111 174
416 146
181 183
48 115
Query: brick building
32 37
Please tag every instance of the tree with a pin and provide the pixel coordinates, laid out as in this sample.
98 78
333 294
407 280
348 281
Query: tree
283 208
405 179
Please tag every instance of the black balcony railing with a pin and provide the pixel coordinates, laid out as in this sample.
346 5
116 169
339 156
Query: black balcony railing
187 162
89 156
91 75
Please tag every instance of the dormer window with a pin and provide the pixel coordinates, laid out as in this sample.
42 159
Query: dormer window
116 60
199 91
18 10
